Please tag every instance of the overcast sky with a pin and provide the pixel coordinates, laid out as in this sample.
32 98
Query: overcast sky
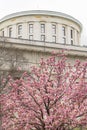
75 8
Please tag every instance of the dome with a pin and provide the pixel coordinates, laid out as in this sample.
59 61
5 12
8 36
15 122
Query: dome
42 25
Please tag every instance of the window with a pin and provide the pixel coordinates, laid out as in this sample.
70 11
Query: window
71 41
42 28
20 37
30 37
54 39
77 37
64 31
3 33
64 40
64 34
19 29
42 37
10 32
71 35
42 32
30 28
54 29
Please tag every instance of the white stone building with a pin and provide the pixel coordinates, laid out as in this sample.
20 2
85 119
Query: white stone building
48 26
27 36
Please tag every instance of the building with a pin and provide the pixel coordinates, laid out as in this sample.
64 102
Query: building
27 36
48 26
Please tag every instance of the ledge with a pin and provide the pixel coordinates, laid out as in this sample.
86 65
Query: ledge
48 47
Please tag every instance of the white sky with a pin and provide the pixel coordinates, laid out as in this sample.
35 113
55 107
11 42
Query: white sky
75 8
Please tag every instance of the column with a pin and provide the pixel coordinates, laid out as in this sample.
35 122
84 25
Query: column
37 30
59 33
14 31
48 32
68 35
25 32
6 32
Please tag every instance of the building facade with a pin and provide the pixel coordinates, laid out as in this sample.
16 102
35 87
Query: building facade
48 26
27 36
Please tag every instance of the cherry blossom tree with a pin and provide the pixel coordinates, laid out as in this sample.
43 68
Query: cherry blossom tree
52 96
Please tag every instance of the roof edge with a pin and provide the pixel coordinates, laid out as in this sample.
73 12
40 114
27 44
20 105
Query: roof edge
41 12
